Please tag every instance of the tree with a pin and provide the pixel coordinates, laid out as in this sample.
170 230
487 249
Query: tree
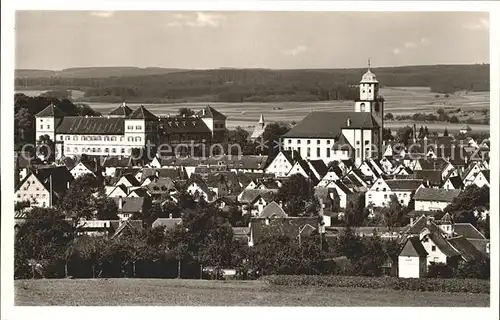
185 112
469 204
297 196
445 133
475 269
389 116
426 131
421 132
393 213
106 209
403 135
440 111
272 135
46 148
387 135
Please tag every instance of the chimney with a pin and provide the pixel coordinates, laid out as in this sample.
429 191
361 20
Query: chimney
120 203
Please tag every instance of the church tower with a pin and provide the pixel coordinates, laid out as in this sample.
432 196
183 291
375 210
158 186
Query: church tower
371 101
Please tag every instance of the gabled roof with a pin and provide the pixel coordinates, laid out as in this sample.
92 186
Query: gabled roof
486 174
320 167
142 113
168 223
456 181
126 225
118 162
122 110
403 184
140 192
165 173
91 125
209 112
466 249
413 248
273 210
468 231
342 144
178 124
51 111
290 226
433 194
131 178
330 124
130 205
432 176
249 195
341 186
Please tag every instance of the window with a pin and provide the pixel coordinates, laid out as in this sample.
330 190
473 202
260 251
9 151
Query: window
130 138
298 150
318 152
367 151
43 204
68 149
48 126
137 138
385 196
113 150
308 141
298 141
19 195
384 189
130 127
123 150
68 138
93 149
327 141
290 141
318 141
60 137
106 150
357 152
75 149
137 127
41 126
75 138
113 138
402 201
308 152
433 248
357 142
367 142
369 196
328 152
106 138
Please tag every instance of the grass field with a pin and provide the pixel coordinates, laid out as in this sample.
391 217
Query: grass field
169 292
399 101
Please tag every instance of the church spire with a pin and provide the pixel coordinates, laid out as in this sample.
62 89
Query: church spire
369 64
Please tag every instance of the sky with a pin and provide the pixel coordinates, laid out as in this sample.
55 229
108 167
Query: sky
278 40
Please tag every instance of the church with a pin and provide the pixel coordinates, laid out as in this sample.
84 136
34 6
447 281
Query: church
331 136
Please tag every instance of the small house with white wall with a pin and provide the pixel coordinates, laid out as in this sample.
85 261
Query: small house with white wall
432 199
412 260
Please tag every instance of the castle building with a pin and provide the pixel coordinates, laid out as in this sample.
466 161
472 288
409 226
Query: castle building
124 129
331 136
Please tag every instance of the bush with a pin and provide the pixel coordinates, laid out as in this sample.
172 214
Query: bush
389 116
422 284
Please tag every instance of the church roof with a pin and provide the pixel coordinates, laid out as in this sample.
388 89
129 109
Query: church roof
142 113
330 124
91 125
50 111
369 77
122 110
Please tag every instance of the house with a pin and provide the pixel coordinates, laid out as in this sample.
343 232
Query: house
432 178
380 192
128 207
97 227
138 193
253 201
128 181
302 167
293 227
482 178
470 173
198 188
168 223
412 259
82 168
117 191
453 182
342 193
318 167
125 226
273 210
431 199
282 163
334 173
42 187
465 129
111 163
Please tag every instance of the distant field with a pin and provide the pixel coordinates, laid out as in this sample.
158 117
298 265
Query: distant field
398 101
170 292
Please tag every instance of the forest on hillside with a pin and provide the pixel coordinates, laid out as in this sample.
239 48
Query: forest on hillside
262 85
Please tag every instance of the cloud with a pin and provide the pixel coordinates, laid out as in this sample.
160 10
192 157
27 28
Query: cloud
424 41
197 20
396 51
295 51
103 14
410 44
482 24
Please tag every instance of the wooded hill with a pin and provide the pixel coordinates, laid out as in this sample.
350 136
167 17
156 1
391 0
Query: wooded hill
238 85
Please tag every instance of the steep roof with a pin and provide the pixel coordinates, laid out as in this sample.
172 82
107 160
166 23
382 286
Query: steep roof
433 194
209 112
51 111
466 249
413 248
249 195
330 124
432 176
58 176
170 125
456 181
320 167
168 223
122 110
91 125
125 225
273 210
130 205
468 231
404 184
142 113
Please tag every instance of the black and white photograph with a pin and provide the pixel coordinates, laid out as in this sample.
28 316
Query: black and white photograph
284 158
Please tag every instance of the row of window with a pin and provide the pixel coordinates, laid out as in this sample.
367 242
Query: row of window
47 127
132 127
98 138
37 195
308 141
218 125
99 150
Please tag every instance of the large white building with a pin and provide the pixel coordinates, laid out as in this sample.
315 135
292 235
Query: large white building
339 136
124 129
